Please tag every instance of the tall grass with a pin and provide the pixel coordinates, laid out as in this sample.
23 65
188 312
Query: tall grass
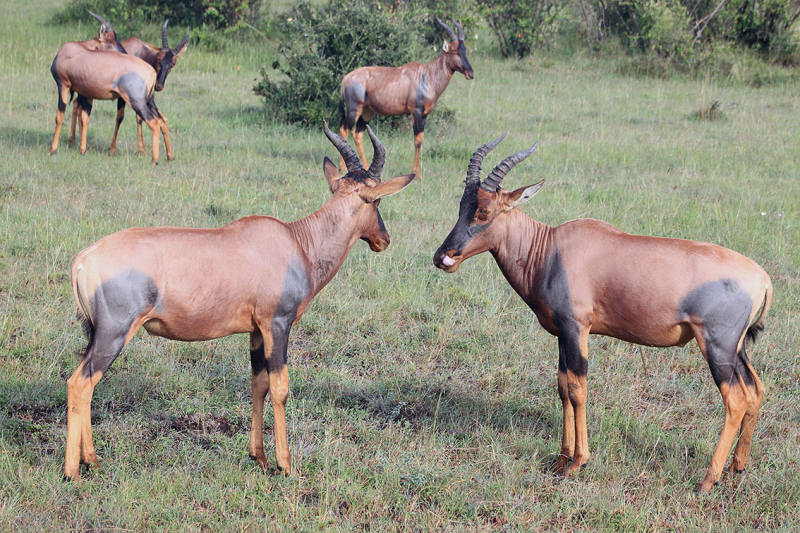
419 401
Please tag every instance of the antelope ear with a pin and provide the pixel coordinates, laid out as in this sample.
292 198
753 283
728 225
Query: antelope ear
446 46
522 195
387 188
331 174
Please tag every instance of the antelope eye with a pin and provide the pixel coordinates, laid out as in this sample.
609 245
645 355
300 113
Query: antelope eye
484 213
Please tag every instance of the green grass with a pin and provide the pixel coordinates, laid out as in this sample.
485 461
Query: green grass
419 401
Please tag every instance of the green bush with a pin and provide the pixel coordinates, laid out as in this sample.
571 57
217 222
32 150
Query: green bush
209 19
322 44
685 30
523 25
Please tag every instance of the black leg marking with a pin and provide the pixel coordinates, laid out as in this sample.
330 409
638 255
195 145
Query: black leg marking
85 104
556 295
258 360
296 288
418 120
361 125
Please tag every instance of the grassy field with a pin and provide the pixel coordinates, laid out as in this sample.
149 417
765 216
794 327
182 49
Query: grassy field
419 401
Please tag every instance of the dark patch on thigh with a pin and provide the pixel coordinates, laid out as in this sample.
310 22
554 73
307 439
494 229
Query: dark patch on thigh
354 94
723 308
556 296
116 304
136 89
296 288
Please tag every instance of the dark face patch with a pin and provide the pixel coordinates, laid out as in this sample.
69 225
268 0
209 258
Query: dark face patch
466 67
164 66
464 230
724 309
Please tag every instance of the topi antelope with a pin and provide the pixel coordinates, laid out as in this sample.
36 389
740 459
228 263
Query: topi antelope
96 73
411 89
162 60
255 275
585 276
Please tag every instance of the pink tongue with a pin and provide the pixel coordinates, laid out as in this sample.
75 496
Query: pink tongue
448 261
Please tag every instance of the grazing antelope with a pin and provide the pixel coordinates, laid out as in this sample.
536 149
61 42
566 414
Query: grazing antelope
101 74
255 275
585 276
162 60
411 89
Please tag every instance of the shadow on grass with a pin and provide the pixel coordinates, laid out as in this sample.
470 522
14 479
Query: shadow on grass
30 138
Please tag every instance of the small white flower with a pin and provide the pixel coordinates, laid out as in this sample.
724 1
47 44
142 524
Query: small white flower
763 214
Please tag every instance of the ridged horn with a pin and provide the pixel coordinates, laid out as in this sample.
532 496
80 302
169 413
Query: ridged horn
495 178
347 152
450 34
105 26
164 39
379 157
182 44
474 168
460 30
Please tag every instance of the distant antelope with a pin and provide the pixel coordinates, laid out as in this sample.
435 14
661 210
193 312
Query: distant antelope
162 60
411 89
255 275
97 73
585 276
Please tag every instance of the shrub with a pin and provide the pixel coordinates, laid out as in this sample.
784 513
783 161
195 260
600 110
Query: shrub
207 18
321 45
523 25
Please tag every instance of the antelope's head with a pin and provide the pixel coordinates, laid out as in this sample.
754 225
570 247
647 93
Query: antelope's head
107 38
168 57
483 210
363 187
456 50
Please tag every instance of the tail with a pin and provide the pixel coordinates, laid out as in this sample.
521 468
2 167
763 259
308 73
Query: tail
758 326
82 314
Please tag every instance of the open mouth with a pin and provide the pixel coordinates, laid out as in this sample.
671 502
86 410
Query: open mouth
448 263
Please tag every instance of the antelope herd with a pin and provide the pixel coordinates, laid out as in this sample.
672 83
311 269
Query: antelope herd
257 274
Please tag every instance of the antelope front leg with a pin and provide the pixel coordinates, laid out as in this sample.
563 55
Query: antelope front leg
573 364
419 132
568 432
165 133
86 111
259 387
278 394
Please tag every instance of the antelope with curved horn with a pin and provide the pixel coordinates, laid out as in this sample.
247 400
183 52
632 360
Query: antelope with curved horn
162 60
255 275
95 72
587 277
412 89
107 41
